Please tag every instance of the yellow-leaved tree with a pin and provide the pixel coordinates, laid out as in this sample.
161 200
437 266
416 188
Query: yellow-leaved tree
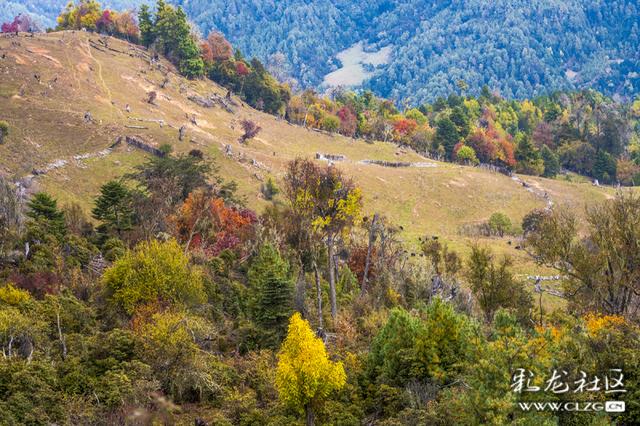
306 376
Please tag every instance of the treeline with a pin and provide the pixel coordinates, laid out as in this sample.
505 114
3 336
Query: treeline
584 132
177 304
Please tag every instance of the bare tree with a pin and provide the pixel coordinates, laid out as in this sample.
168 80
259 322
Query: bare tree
251 130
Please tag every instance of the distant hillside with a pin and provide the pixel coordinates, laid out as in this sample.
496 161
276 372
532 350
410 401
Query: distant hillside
519 48
46 11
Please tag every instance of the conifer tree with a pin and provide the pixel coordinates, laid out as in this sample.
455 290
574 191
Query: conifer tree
270 280
44 212
551 162
447 136
147 35
113 207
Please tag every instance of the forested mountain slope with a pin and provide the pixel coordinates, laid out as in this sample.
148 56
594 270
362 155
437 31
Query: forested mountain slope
519 48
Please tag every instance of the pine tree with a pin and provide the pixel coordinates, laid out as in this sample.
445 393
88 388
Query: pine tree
113 207
44 212
604 168
270 280
551 162
147 35
447 136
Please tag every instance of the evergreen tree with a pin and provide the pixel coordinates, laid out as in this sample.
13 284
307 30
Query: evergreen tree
604 168
174 38
113 207
146 25
551 162
447 136
270 281
529 160
461 120
44 212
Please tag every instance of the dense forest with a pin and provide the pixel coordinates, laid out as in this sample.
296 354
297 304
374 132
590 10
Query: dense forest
177 304
521 50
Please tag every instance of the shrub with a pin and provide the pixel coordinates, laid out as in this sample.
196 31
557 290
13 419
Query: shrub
4 131
153 271
500 224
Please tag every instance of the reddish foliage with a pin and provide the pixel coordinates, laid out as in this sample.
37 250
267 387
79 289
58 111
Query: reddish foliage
456 148
404 126
251 130
242 69
105 23
508 152
38 284
216 48
22 23
358 259
348 121
491 146
213 226
543 135
482 144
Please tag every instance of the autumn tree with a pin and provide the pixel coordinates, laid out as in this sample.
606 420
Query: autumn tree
153 272
171 343
164 182
216 48
467 155
332 203
204 222
599 266
494 285
251 130
21 23
82 14
305 376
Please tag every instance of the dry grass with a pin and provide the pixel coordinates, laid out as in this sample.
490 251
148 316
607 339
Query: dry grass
46 119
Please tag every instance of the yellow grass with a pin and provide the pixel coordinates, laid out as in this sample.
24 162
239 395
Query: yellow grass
46 120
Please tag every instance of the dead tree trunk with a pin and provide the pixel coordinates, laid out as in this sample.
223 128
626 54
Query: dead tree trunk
301 293
367 263
332 278
319 294
63 344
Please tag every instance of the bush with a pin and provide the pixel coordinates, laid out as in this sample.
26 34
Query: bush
153 271
466 154
269 189
4 131
500 224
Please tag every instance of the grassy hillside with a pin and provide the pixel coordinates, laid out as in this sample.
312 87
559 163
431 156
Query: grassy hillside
50 81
